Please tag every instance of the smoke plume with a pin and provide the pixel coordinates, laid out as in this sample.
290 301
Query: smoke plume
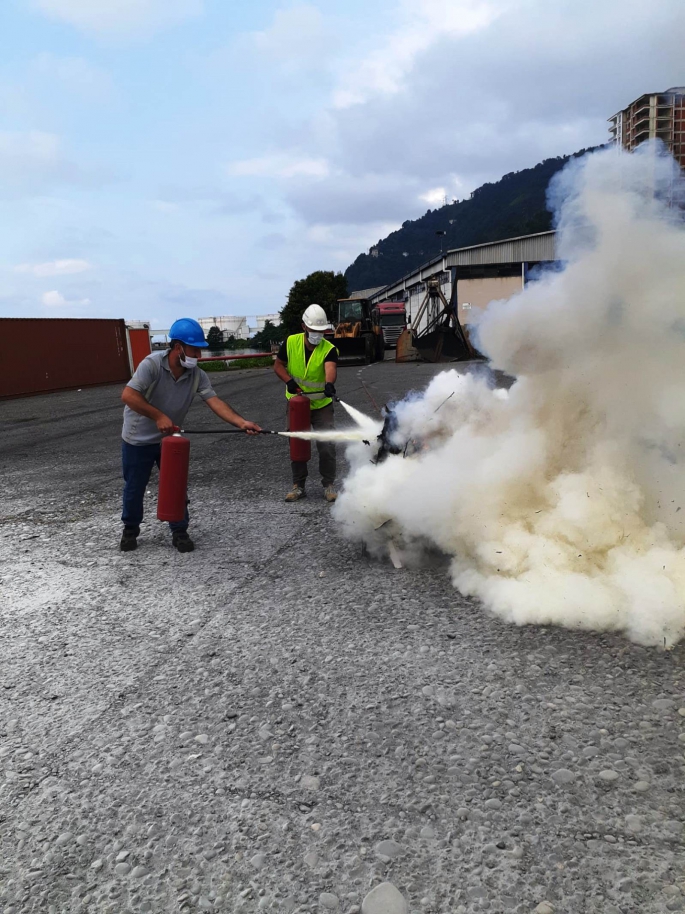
559 501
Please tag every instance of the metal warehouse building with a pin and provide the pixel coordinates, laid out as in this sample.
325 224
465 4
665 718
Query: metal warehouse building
472 277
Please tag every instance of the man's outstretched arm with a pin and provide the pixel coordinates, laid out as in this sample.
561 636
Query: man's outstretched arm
228 414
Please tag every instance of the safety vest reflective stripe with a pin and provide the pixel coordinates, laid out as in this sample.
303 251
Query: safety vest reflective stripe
308 382
309 375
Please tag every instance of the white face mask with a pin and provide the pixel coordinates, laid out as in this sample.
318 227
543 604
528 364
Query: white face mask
314 338
188 361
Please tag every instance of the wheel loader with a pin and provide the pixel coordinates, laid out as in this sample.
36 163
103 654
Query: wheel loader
359 333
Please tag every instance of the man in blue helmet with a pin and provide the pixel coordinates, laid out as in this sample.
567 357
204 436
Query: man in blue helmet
157 398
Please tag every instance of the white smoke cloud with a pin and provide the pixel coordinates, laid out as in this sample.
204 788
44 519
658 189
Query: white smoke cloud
560 502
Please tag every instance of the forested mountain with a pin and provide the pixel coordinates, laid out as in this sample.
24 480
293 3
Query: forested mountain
514 205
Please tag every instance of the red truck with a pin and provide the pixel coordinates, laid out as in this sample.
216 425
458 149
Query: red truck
392 318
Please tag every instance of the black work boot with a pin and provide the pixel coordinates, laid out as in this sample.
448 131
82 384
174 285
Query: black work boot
129 540
182 541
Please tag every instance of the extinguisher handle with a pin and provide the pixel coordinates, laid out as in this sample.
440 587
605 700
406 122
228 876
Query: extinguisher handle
176 429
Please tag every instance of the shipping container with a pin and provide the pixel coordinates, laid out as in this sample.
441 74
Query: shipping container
38 355
139 345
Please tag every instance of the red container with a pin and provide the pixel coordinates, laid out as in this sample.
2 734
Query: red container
299 420
139 341
43 354
173 478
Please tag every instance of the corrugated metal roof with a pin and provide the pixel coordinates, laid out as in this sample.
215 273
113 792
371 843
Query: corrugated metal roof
522 249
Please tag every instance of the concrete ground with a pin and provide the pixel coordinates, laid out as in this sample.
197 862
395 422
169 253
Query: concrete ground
275 723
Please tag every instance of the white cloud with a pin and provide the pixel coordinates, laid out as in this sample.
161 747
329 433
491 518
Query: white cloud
54 267
421 24
55 299
298 38
120 17
339 245
434 197
298 47
461 92
280 166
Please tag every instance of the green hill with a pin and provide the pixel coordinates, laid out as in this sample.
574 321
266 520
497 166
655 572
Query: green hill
514 205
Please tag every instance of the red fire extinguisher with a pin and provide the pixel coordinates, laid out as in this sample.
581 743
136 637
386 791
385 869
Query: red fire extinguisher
299 420
173 478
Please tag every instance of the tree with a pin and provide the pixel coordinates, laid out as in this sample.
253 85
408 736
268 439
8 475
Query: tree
235 344
272 333
324 287
215 338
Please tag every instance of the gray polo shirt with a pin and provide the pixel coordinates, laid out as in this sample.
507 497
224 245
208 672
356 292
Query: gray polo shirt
173 397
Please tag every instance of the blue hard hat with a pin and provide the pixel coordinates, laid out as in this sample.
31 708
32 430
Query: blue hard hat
188 331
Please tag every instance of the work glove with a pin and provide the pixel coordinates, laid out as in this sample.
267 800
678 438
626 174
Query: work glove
292 387
329 391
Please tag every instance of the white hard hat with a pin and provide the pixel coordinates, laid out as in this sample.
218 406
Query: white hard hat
315 318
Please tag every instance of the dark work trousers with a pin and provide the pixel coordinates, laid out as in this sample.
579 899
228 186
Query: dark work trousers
137 461
321 419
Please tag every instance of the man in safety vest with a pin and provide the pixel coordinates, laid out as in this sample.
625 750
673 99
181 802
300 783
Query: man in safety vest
157 398
309 364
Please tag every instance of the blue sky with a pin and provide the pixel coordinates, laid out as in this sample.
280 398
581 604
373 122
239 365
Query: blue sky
169 157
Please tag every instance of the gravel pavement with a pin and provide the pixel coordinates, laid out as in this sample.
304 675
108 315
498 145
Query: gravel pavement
276 723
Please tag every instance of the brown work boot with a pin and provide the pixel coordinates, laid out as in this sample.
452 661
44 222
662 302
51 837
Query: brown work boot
330 494
296 493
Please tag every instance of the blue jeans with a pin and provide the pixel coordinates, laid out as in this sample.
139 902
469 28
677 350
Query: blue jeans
137 461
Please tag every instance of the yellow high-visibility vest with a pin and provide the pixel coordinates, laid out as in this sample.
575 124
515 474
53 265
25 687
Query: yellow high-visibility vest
310 376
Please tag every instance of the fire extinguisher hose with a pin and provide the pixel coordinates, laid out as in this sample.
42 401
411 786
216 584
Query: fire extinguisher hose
224 431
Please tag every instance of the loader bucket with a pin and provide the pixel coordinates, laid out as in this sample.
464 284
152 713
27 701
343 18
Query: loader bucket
404 350
353 350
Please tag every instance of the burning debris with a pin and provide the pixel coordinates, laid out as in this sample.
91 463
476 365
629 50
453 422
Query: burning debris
558 501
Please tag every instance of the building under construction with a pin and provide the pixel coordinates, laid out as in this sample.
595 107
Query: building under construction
657 115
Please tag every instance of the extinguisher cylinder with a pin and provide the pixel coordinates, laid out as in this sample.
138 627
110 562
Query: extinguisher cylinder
299 420
173 478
